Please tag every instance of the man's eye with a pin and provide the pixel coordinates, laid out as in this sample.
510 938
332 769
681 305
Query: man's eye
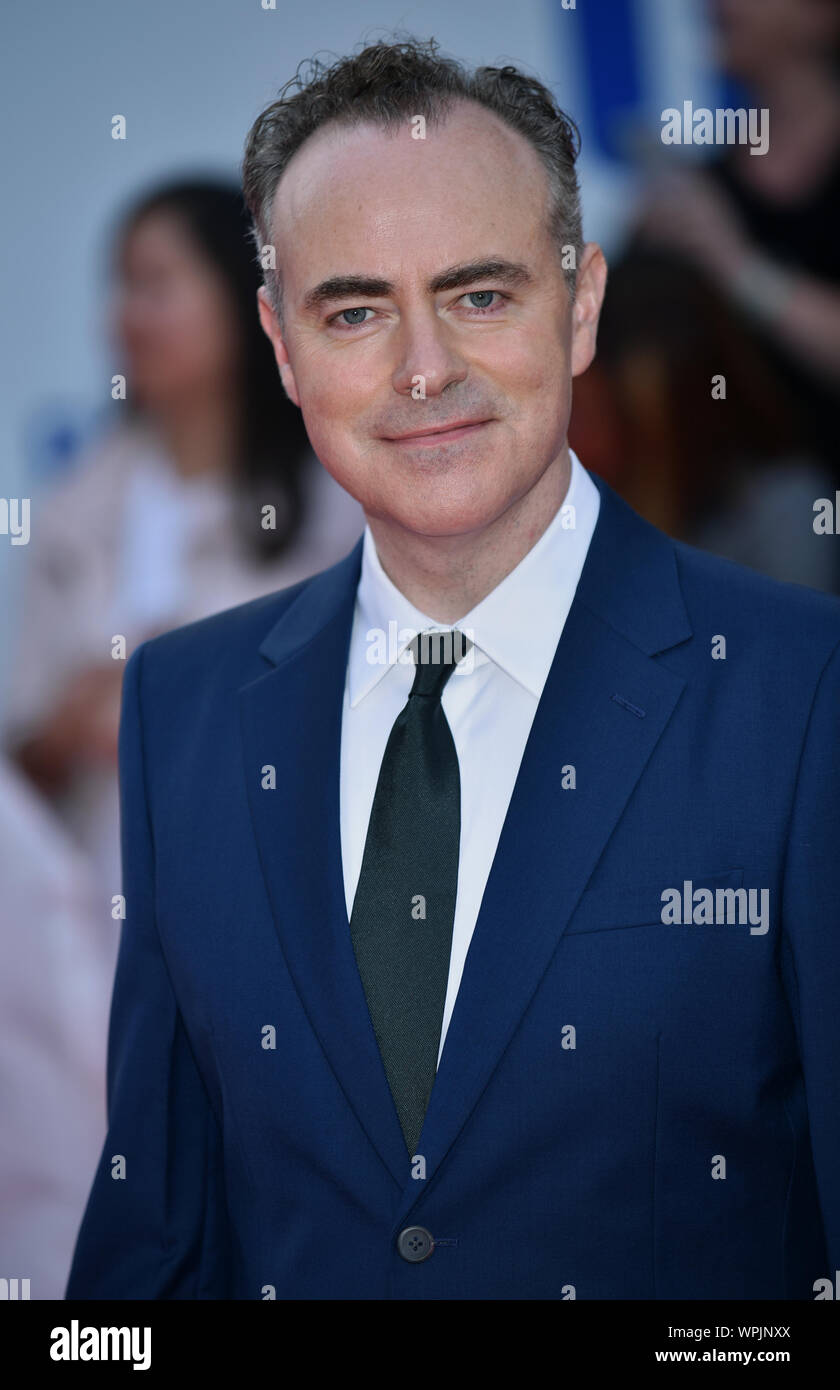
484 296
340 321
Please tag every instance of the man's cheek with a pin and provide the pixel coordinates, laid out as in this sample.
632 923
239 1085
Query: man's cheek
330 432
323 396
528 369
332 390
543 368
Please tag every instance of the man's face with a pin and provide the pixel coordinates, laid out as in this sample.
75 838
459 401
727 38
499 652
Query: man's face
430 344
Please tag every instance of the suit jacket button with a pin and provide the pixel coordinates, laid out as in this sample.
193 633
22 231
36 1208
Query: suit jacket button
415 1243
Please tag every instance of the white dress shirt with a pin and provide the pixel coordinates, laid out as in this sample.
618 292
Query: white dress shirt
489 700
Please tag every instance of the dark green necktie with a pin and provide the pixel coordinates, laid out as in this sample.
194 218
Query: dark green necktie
404 908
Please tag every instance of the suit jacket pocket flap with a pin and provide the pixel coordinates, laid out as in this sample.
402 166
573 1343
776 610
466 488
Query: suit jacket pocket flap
610 909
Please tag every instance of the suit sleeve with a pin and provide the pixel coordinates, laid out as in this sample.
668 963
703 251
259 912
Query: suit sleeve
155 1225
811 925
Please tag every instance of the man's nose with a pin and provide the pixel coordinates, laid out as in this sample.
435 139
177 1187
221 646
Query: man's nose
429 359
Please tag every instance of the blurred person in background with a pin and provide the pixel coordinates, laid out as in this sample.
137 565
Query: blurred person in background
727 472
766 229
163 522
160 524
733 272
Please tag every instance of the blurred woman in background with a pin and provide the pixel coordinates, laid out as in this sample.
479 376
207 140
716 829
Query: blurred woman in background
203 494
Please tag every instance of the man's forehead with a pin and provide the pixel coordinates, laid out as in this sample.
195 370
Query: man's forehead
352 199
343 169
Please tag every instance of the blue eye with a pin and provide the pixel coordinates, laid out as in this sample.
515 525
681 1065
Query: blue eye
356 323
484 309
472 294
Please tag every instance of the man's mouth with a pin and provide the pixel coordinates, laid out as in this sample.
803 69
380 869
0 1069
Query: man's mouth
439 434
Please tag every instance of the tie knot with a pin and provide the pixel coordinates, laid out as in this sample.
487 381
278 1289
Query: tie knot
436 654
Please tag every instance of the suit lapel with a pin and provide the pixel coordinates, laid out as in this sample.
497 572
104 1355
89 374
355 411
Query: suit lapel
291 719
627 606
605 705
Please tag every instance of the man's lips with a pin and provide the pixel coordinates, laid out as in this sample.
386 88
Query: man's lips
459 429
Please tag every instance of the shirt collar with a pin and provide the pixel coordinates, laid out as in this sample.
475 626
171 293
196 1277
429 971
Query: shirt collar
517 625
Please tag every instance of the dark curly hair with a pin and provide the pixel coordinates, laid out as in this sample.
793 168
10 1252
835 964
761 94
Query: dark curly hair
387 84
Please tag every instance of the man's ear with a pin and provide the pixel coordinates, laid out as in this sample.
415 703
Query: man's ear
271 328
589 296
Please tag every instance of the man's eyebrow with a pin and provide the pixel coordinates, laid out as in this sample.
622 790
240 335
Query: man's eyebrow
511 273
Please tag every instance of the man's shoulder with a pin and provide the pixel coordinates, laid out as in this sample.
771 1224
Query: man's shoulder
223 647
228 629
723 596
640 573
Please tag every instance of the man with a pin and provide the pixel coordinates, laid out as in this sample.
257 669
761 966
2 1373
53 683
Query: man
503 965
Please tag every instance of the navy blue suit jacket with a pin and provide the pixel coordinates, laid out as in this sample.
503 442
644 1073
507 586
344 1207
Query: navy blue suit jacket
625 1107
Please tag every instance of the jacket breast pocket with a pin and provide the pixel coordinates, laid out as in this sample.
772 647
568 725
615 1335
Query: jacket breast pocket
610 909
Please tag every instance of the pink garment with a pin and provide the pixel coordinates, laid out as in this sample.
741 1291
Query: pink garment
57 943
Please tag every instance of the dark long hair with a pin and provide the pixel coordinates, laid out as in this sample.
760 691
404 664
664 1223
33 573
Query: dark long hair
274 447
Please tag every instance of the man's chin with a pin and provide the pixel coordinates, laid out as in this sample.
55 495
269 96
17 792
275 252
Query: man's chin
439 519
